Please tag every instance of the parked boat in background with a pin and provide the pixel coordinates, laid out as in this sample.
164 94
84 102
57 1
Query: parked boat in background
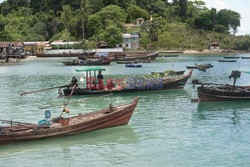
133 62
134 65
200 65
88 62
85 54
151 56
245 57
230 61
168 72
231 57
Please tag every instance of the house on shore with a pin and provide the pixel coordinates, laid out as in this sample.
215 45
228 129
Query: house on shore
215 46
130 41
140 21
30 48
4 49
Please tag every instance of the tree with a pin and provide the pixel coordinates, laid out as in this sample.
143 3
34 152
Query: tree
183 9
110 2
37 5
229 19
204 21
151 27
135 12
112 35
66 16
5 8
111 14
243 44
85 10
158 7
64 35
94 25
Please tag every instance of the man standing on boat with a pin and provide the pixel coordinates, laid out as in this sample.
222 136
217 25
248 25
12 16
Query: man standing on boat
100 80
74 81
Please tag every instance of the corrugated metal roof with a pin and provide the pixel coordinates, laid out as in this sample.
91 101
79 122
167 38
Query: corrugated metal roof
4 44
17 44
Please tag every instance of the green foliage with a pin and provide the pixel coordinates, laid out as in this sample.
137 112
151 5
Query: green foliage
109 15
204 21
243 44
183 24
112 35
88 44
135 12
229 19
220 28
64 35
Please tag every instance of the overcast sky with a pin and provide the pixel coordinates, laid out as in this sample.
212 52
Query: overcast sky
240 6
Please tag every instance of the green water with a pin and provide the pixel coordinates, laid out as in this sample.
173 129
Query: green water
166 129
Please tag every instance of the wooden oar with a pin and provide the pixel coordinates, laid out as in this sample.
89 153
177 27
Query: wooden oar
79 101
41 90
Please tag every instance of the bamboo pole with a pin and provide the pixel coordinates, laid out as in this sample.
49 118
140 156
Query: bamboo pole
41 90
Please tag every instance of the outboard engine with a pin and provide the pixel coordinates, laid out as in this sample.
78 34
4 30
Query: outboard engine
235 75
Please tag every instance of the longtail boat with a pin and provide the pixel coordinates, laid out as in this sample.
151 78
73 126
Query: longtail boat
245 57
200 65
106 118
230 61
151 56
133 62
129 85
126 62
222 92
231 57
89 62
171 72
44 55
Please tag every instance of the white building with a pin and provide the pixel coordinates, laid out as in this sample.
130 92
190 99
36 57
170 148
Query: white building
130 41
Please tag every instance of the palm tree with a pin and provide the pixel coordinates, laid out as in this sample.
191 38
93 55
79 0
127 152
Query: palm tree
85 11
151 27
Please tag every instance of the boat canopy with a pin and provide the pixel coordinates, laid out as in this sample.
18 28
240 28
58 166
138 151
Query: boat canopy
91 69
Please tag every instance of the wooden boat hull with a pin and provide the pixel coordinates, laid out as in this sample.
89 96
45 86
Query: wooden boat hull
71 63
177 83
86 123
126 62
230 61
231 57
151 56
176 72
191 67
44 55
245 57
221 93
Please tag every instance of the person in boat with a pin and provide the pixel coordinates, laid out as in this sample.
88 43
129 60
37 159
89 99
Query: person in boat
74 81
100 80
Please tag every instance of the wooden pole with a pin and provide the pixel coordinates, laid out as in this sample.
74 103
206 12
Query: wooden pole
41 90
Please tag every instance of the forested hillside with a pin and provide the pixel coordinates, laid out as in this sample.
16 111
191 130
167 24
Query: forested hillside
180 24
